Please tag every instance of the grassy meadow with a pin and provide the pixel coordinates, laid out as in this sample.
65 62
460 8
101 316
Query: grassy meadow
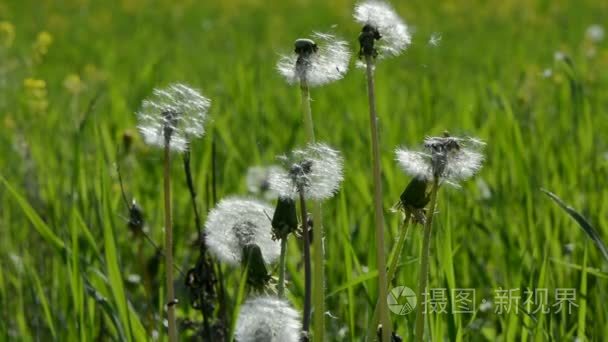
524 76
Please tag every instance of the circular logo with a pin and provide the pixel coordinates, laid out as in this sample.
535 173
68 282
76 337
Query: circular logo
401 300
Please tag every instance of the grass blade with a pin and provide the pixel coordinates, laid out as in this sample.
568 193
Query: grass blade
587 227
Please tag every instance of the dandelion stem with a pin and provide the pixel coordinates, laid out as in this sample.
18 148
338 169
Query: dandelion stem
379 215
190 183
403 229
307 271
424 262
169 246
317 219
281 288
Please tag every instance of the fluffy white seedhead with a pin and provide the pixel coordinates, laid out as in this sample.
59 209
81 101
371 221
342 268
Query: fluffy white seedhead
258 181
328 63
268 319
316 170
177 111
236 222
381 15
451 159
595 33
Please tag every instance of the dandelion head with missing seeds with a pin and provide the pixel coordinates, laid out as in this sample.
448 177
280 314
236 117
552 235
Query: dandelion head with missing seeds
447 159
236 223
172 116
268 319
384 33
317 61
316 171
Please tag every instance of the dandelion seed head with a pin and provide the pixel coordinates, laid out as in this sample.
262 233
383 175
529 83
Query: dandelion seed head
176 112
316 169
236 222
395 36
318 61
450 159
268 319
595 33
258 181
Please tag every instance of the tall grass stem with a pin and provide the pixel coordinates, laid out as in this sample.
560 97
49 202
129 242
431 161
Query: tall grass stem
281 286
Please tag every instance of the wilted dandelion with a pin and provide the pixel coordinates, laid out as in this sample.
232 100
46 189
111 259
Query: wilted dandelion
316 171
316 61
268 319
449 159
237 222
172 116
258 181
384 33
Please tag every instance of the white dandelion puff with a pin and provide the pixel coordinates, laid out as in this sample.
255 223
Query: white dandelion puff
258 181
595 33
450 159
435 39
392 36
236 222
268 319
317 61
173 115
316 170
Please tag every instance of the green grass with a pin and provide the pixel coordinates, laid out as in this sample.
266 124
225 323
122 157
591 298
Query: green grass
66 254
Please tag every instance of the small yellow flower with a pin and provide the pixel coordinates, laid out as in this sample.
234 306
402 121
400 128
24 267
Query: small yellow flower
73 84
36 94
9 123
41 45
7 34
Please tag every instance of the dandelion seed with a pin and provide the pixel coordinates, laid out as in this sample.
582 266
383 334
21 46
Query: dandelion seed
237 222
381 23
258 181
595 33
450 159
435 39
174 114
315 170
317 61
268 319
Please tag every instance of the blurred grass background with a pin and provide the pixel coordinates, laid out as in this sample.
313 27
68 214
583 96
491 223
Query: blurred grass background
72 74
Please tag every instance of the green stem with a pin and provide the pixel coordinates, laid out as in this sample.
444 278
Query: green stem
318 256
307 271
169 246
424 263
403 230
281 287
379 214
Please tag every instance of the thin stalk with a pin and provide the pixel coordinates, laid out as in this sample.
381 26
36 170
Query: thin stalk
403 230
169 247
379 215
307 271
424 263
200 238
317 219
281 287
